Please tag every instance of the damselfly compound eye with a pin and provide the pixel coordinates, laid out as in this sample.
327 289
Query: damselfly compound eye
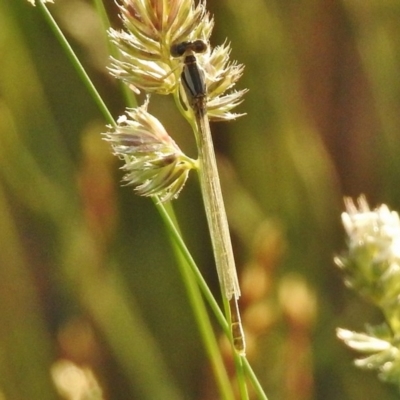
179 49
197 46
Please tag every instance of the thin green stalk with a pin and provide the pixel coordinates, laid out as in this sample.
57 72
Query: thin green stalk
105 21
201 315
206 331
76 63
102 12
254 380
191 263
241 377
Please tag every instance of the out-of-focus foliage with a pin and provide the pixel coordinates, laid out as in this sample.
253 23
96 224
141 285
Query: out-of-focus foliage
86 271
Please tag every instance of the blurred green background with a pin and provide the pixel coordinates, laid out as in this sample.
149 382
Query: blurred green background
86 269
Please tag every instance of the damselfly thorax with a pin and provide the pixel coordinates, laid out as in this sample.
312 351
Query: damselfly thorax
192 77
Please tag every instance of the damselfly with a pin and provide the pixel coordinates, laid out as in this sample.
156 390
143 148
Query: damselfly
193 82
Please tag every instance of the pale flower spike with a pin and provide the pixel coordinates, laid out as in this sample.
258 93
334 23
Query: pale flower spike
372 267
374 247
145 62
154 164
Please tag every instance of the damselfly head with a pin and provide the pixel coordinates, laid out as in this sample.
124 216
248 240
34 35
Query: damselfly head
196 46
